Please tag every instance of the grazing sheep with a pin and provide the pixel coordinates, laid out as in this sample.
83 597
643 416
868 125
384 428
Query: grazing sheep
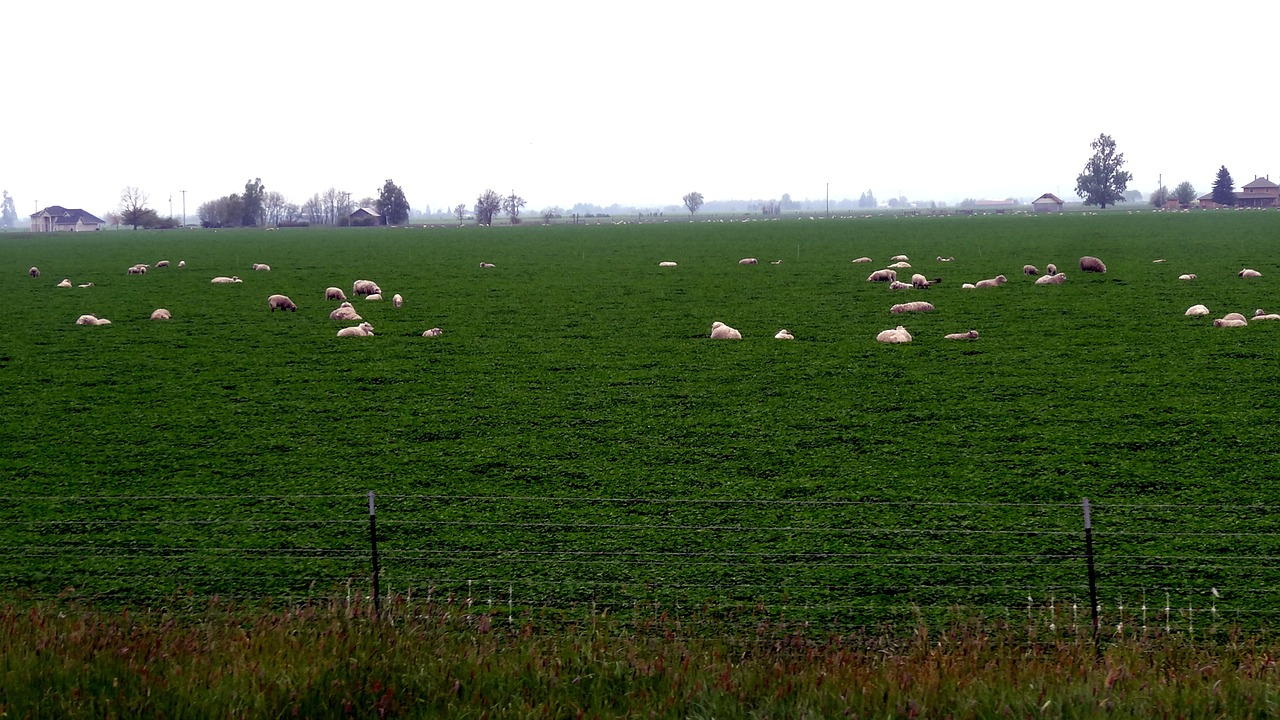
896 335
376 297
1051 269
971 335
1054 279
863 259
1188 276
1196 310
364 329
720 331
138 269
666 263
34 272
333 293
66 282
1030 270
916 306
748 261
1230 322
162 263
182 263
885 275
281 302
784 334
261 266
85 285
365 287
433 332
1088 263
901 265
397 300
899 258
345 312
992 282
919 282
487 265
91 320
1247 273
160 314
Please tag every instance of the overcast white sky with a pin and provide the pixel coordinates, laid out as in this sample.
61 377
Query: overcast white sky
632 103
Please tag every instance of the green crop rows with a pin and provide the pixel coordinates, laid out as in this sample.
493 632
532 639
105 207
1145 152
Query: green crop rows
574 436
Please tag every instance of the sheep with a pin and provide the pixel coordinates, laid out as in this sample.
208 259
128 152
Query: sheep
182 263
1234 316
968 286
901 264
899 258
345 312
1088 263
775 262
1247 273
720 331
162 263
862 259
365 287
885 275
281 302
1230 321
486 266
397 300
1054 279
912 307
748 261
1196 310
666 263
784 334
919 282
138 269
91 320
992 282
160 314
66 282
85 285
1030 270
1051 269
261 266
1261 314
34 272
896 335
971 335
223 280
946 259
364 329
1188 276
433 332
376 297
899 285
334 293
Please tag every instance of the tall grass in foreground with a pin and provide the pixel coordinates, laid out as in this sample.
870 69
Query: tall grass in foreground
446 658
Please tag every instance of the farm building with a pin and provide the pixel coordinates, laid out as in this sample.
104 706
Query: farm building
367 216
56 218
1047 202
1260 193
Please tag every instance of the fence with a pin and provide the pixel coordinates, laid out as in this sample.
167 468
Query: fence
832 562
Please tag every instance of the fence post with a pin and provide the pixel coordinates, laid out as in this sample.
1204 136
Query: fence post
373 543
1093 578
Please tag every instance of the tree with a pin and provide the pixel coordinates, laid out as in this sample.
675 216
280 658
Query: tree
1103 182
693 201
867 200
1133 195
273 208
392 204
1186 194
1160 197
511 205
8 214
550 213
226 211
460 211
1224 188
133 207
487 204
252 204
771 207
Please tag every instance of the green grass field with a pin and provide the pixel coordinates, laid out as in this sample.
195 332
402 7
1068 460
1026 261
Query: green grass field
575 438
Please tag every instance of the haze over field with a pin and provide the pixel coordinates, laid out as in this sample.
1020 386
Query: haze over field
564 102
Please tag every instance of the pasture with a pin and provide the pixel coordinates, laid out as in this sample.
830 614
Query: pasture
575 438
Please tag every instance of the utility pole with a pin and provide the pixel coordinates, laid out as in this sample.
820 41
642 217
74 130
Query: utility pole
184 208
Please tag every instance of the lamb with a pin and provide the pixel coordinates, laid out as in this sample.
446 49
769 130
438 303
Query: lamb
281 302
896 335
912 307
261 266
1230 321
885 275
666 263
993 282
376 297
968 286
160 314
91 320
1261 314
1054 279
396 300
1247 273
365 287
223 280
971 335
1196 310
138 269
333 293
162 263
1088 263
919 282
784 334
345 312
433 332
899 285
182 263
720 331
862 259
364 329
34 271
66 282
748 261
1030 270
1188 276
1051 269
899 258
486 266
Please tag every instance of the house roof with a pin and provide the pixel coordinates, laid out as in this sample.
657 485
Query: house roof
69 216
1050 197
1262 183
368 211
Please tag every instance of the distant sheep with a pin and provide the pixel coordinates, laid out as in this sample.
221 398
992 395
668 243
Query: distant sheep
899 258
397 300
223 280
784 334
138 269
1247 273
345 312
1088 263
968 286
487 265
899 285
971 335
261 266
1054 279
919 282
85 285
364 329
720 331
433 332
862 260
376 297
912 307
281 302
885 275
334 293
182 263
91 320
666 263
775 262
896 335
365 287
992 282
160 314
162 263
34 272
66 282
1030 270
901 265
1261 314
1196 310
748 261
1050 269
1229 321
946 259
1189 276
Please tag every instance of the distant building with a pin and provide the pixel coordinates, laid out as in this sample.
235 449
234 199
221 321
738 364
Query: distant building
56 218
1261 193
367 216
1047 202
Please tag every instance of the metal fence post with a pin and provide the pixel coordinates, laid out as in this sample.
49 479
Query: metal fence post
1093 578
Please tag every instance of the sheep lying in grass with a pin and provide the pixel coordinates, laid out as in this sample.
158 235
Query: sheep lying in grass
433 332
992 282
1188 276
946 259
91 320
1261 314
1051 269
885 275
486 266
900 265
896 335
85 285
376 297
862 259
971 335
720 331
345 312
261 266
334 293
182 263
666 263
1230 322
1088 263
1248 273
66 282
365 287
748 261
899 285
917 306
1054 279
364 329
899 258
968 286
281 302
397 300
34 272
223 280
160 314
138 269
1196 311
784 334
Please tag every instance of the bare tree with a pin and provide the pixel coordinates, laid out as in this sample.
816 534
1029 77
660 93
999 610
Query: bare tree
133 207
487 204
460 212
511 205
693 201
549 214
273 204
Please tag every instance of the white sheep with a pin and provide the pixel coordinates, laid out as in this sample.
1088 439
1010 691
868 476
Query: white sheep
1261 314
666 263
376 297
1234 317
345 311
334 293
433 332
1051 269
1248 273
223 280
946 259
720 331
138 269
992 282
162 263
862 260
971 335
900 265
1054 279
919 282
281 302
1088 263
397 300
364 329
1188 276
748 261
917 306
1230 322
775 262
66 282
34 271
160 314
486 266
261 266
1030 270
899 258
968 286
1196 310
91 320
885 275
899 285
896 335
182 263
365 287
784 334
85 285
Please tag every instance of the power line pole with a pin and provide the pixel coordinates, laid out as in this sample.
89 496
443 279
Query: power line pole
184 208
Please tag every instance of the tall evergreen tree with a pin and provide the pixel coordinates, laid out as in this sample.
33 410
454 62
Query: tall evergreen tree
1224 188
